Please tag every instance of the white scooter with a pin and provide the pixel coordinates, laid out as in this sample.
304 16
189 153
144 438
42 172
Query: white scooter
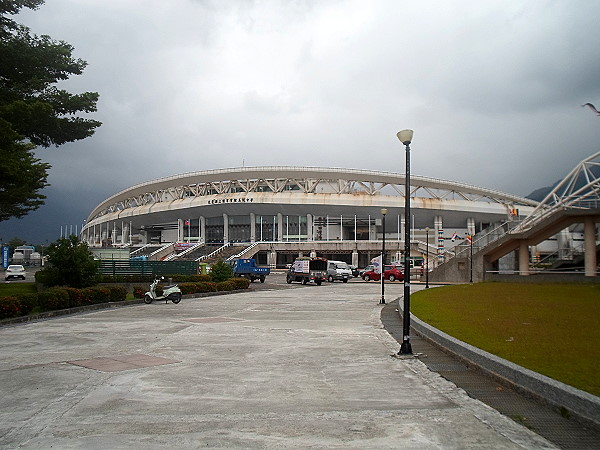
172 293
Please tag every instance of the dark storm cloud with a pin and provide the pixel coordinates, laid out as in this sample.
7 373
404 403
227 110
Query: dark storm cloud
492 89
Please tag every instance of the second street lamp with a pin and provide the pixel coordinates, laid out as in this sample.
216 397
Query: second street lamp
384 211
427 260
405 137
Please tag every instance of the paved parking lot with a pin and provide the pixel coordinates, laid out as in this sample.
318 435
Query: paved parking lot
282 366
29 275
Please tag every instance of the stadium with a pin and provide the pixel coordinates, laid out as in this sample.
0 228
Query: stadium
277 213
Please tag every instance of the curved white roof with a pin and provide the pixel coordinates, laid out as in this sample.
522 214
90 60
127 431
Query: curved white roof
302 179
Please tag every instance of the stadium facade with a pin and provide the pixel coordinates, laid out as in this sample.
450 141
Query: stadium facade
298 208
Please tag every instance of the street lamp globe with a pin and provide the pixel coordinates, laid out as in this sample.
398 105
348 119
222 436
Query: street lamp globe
405 136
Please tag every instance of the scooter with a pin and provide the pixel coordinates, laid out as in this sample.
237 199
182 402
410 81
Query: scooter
172 293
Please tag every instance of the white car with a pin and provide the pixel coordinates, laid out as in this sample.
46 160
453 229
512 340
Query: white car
14 271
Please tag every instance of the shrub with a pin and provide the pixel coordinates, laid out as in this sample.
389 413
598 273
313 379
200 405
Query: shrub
187 288
9 307
77 297
43 277
100 295
29 302
53 299
240 282
207 286
177 278
220 271
117 293
71 264
225 286
127 278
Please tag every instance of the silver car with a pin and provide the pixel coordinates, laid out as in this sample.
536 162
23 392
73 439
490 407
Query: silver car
14 271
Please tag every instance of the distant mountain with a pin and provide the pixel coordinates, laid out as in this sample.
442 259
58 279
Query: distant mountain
541 193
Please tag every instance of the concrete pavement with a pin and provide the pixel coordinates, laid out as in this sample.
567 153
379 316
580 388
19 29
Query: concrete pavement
302 366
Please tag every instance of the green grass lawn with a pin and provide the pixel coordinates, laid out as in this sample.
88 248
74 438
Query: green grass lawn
7 289
553 329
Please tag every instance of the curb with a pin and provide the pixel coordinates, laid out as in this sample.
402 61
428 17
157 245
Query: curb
580 403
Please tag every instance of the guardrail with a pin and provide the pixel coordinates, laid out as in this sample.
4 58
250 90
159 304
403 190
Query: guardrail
244 252
164 250
185 252
210 255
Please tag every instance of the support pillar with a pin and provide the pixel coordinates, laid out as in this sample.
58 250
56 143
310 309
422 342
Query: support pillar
202 229
398 256
113 233
402 224
124 233
589 237
309 228
225 228
471 225
523 258
279 227
565 244
272 257
438 223
355 258
252 227
439 237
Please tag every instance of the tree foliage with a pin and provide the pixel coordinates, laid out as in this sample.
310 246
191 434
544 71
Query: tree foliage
14 243
70 264
33 111
221 271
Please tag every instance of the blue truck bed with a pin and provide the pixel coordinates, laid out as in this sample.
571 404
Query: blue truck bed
247 268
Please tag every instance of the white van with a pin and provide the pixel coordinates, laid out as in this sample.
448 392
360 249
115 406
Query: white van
338 270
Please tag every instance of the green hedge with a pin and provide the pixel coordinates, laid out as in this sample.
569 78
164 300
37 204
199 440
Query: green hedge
10 307
66 297
201 287
59 298
240 282
177 278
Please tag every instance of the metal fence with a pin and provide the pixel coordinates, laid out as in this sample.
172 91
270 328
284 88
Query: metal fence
129 267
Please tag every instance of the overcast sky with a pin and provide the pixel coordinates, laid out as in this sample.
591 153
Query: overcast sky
492 89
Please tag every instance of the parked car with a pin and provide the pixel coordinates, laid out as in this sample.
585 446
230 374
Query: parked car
338 270
14 271
391 273
369 268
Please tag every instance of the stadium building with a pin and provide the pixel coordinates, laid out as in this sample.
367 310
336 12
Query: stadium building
278 213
